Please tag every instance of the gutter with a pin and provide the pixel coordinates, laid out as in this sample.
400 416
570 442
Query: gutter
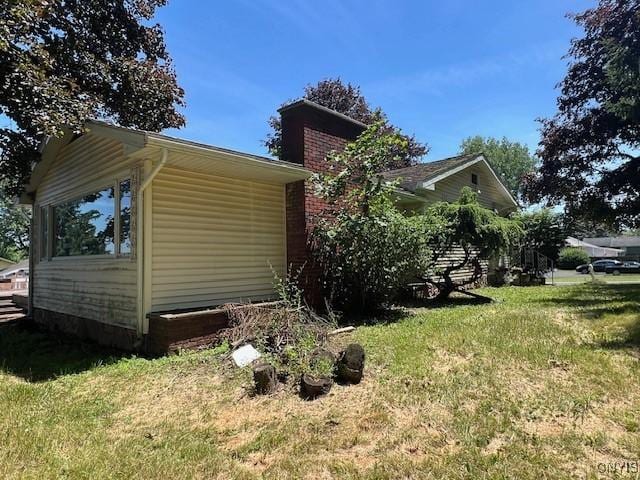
140 237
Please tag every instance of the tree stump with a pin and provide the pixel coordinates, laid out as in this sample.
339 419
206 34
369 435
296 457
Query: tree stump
313 387
264 377
351 364
321 355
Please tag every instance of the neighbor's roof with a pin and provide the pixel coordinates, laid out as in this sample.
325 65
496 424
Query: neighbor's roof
6 260
593 250
21 265
622 241
411 177
425 174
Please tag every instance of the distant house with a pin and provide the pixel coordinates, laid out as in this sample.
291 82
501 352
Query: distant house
137 237
629 245
594 251
15 276
424 184
20 269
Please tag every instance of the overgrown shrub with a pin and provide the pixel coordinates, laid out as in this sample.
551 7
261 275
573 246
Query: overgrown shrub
367 248
368 258
571 257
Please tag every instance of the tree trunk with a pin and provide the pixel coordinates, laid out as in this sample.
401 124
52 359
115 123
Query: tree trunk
264 377
313 387
351 364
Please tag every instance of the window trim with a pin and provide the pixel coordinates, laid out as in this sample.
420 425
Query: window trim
117 228
115 184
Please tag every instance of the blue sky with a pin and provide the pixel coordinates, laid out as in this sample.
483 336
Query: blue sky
442 70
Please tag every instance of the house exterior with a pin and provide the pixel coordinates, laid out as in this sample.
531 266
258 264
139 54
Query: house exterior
138 237
442 181
594 251
628 245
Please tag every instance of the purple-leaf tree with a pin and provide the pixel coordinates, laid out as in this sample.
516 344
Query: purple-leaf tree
64 62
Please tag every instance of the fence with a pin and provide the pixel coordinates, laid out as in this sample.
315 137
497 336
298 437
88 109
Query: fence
532 262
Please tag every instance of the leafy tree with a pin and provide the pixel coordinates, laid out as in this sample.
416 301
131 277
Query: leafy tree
544 232
14 228
367 249
571 257
580 227
512 161
368 259
478 231
589 149
63 62
348 100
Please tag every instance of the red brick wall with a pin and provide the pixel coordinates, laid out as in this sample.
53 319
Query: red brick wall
308 135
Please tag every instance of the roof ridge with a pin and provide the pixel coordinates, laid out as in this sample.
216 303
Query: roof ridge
442 160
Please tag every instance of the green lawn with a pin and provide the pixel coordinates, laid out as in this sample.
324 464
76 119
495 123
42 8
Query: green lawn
543 383
608 278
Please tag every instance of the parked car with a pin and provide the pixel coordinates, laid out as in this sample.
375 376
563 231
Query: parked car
599 266
626 267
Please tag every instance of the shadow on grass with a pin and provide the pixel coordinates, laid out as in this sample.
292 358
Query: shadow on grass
400 310
595 301
38 356
631 339
595 297
452 302
380 317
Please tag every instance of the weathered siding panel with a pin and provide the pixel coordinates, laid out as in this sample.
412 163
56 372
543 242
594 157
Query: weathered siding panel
98 288
214 239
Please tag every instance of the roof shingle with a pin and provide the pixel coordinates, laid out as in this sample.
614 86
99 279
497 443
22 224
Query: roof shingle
410 177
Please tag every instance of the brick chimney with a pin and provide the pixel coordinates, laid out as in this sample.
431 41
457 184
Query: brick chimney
309 132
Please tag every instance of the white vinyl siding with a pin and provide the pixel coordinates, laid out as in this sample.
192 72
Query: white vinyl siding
214 239
103 288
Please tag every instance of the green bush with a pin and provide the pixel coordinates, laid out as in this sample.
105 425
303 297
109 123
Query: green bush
571 257
368 258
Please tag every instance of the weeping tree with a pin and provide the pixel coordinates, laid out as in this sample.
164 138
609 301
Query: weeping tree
479 232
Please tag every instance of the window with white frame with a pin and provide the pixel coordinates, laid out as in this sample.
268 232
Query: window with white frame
97 223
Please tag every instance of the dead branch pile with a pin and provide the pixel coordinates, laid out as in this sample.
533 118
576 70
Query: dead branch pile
275 326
